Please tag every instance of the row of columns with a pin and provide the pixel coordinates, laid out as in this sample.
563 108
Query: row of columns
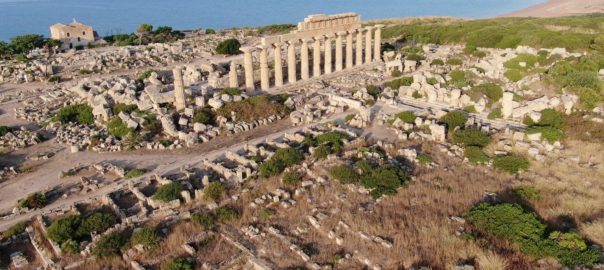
370 55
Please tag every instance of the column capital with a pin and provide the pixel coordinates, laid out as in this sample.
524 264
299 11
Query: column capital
330 36
263 47
379 26
292 42
247 49
319 38
341 33
305 40
369 28
361 30
277 44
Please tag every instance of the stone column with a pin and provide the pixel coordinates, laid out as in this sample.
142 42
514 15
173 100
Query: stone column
278 66
359 58
291 61
349 62
304 59
339 55
368 51
233 76
248 66
328 53
264 77
180 101
316 57
507 105
377 46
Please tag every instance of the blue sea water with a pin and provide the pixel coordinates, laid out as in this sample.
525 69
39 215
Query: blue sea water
123 16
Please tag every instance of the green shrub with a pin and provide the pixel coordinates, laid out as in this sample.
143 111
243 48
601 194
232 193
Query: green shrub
588 97
253 108
14 230
458 78
406 116
414 57
396 73
205 220
121 107
204 116
514 75
471 137
396 84
476 155
145 75
54 79
64 229
529 59
283 158
495 114
373 90
109 245
32 201
168 192
231 91
322 151
523 228
266 213
348 118
118 128
344 174
492 91
178 264
528 193
470 109
77 228
146 236
214 191
511 164
455 62
275 28
437 62
226 214
454 119
70 246
424 159
77 113
416 95
210 31
432 81
4 130
550 117
292 177
97 223
134 173
551 134
229 47
381 180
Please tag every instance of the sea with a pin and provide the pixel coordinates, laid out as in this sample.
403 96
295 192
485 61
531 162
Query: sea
18 17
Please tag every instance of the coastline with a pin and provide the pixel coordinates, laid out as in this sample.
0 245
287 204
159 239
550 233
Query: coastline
557 8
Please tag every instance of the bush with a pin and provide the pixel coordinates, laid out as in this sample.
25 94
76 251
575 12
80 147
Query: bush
344 174
495 114
229 47
118 128
396 73
492 91
454 62
437 62
523 228
458 78
21 58
4 130
550 117
109 245
475 155
32 201
205 220
283 158
253 108
146 236
168 192
178 264
210 31
414 57
396 84
64 229
416 95
514 75
528 193
454 119
266 213
529 59
471 137
97 223
292 177
373 90
78 113
424 159
226 214
551 134
231 91
134 173
432 81
470 109
511 164
406 116
14 230
276 28
214 191
54 79
204 116
381 180
77 228
121 107
321 152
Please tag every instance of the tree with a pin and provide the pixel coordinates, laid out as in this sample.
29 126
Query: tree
454 119
64 229
228 47
25 43
142 30
168 192
471 137
109 245
4 49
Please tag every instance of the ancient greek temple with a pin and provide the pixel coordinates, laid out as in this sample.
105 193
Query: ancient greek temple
311 45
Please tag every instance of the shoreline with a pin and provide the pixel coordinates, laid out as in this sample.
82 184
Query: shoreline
559 8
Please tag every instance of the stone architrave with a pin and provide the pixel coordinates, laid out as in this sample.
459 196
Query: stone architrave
349 56
264 77
368 45
316 57
179 90
278 65
291 61
248 67
304 60
328 49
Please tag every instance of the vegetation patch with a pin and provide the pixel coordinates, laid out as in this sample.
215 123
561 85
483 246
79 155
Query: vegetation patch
381 179
253 108
471 137
146 237
292 177
77 113
32 201
454 119
511 164
476 155
135 173
118 128
214 191
396 84
228 47
71 230
283 158
491 91
178 264
109 245
14 230
168 192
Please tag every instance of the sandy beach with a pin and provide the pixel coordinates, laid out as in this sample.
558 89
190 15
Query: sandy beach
556 8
